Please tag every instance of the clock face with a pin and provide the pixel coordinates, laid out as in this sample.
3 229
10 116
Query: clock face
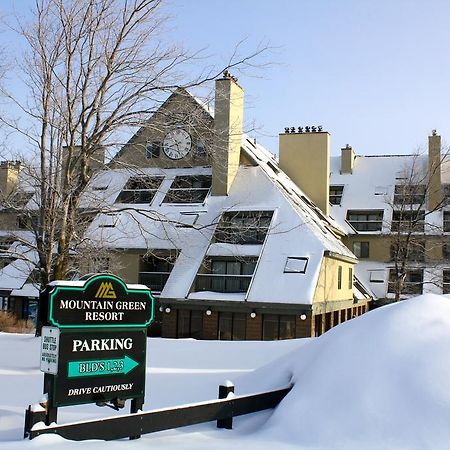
177 144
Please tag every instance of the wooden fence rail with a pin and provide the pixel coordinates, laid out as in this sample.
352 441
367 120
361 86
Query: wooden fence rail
133 425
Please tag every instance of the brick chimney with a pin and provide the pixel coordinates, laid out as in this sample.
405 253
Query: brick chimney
347 159
228 120
435 192
305 157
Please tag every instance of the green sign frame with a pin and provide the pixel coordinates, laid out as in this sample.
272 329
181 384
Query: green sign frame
80 290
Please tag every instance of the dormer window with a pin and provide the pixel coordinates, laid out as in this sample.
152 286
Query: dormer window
409 194
243 227
365 220
336 194
139 190
189 189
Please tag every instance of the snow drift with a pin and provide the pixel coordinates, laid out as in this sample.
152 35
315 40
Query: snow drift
379 381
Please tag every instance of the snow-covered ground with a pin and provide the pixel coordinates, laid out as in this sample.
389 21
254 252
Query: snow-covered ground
381 381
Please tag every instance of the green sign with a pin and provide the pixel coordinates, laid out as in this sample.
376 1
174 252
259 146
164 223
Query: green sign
97 367
103 301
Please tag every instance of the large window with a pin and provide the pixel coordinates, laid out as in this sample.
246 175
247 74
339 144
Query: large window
414 251
189 189
336 194
446 281
413 283
365 220
446 221
139 190
155 269
152 150
232 326
361 249
278 327
409 194
407 221
243 227
190 324
226 275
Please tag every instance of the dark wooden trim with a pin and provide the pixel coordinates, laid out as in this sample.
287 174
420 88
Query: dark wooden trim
237 306
163 419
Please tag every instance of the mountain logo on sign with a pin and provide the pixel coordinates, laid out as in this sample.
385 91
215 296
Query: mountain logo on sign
105 290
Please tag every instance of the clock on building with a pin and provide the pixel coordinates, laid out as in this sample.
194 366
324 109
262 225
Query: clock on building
177 144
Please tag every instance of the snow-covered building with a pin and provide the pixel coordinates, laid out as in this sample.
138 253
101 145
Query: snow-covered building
228 242
394 210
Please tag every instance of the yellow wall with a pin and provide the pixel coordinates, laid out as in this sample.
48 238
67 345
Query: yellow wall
128 266
435 193
181 110
305 158
327 285
228 120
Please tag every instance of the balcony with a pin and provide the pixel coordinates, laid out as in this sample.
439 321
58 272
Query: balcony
222 283
409 287
154 280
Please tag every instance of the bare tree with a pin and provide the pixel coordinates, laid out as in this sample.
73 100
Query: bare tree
411 232
93 68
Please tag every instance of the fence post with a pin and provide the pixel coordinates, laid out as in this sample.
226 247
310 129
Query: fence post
224 390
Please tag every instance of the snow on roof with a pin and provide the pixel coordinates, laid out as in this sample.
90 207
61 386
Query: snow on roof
262 187
371 184
27 290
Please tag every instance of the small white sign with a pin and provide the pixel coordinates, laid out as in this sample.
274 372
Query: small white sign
49 350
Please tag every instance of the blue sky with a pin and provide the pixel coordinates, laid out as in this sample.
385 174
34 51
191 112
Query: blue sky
375 74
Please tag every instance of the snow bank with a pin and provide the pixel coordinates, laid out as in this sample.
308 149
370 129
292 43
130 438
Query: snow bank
381 381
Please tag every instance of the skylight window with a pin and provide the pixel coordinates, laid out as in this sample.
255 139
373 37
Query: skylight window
296 264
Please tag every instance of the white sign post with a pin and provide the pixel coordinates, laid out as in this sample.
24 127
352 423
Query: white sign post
49 350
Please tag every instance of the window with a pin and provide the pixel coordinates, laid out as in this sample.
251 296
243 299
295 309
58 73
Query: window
155 269
19 199
243 227
189 189
336 194
350 278
409 194
339 280
232 326
189 324
152 150
408 221
278 327
226 275
361 249
295 264
368 220
108 221
139 190
415 251
446 251
413 283
446 281
446 221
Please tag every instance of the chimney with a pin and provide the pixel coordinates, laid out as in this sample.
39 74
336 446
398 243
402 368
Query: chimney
228 120
347 159
435 193
9 173
305 158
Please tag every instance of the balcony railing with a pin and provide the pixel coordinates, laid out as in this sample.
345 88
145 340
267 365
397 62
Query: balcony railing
154 280
409 287
222 283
